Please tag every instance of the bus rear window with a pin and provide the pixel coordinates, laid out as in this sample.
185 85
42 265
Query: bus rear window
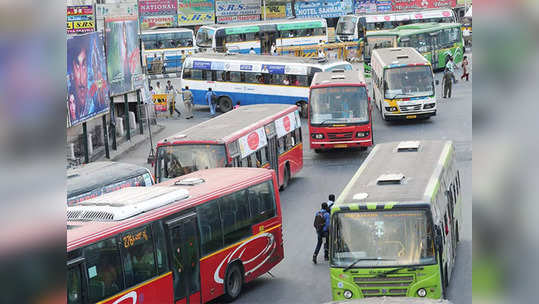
177 160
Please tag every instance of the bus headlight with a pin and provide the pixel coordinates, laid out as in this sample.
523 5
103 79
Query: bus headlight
347 294
391 109
317 136
421 292
429 106
362 134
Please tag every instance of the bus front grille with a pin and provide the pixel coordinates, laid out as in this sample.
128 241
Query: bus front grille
340 136
410 108
384 286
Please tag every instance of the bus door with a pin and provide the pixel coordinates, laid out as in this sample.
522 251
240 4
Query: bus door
273 149
434 46
268 36
184 258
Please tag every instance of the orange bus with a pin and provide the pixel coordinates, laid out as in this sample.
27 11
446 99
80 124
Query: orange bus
265 135
188 240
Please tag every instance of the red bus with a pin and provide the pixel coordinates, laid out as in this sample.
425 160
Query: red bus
266 136
187 240
339 111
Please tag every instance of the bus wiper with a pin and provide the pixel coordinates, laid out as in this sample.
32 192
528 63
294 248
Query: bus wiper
383 274
402 95
364 259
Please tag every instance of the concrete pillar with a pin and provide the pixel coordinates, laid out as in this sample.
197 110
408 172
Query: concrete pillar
90 144
71 151
132 122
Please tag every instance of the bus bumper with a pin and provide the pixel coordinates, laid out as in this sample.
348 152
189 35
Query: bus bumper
341 144
406 116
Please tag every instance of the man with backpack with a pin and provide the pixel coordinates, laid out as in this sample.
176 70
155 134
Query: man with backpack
321 224
211 99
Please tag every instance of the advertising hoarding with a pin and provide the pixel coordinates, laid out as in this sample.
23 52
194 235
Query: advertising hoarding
158 13
192 12
80 19
87 87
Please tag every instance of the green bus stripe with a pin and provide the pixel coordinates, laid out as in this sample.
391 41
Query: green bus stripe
242 30
299 25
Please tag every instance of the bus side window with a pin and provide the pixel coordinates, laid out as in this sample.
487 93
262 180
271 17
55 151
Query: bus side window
251 36
186 73
281 145
290 143
303 80
74 285
196 74
236 217
298 135
319 31
207 75
262 201
234 76
138 256
253 161
250 77
104 270
244 162
160 247
209 223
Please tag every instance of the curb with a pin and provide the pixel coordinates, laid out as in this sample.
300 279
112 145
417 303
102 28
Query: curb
137 144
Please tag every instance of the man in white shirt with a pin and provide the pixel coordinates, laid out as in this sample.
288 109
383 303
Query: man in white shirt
158 88
252 51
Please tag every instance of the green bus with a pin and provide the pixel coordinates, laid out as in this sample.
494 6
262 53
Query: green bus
433 40
395 227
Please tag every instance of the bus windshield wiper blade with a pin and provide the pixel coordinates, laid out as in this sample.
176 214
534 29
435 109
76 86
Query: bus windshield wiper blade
383 274
401 94
364 259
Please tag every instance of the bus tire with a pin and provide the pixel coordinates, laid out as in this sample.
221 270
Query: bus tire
233 282
225 104
382 113
286 177
457 231
317 150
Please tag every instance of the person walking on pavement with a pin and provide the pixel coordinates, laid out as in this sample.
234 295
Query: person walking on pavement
188 102
169 89
447 83
211 99
465 73
158 88
321 224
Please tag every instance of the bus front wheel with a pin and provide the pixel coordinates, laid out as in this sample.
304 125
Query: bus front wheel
225 104
233 282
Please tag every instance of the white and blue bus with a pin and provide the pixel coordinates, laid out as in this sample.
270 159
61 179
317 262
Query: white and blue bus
171 46
253 79
240 38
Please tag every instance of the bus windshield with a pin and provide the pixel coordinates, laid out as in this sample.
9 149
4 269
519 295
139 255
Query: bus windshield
378 42
339 105
409 81
204 37
382 238
167 40
177 160
346 26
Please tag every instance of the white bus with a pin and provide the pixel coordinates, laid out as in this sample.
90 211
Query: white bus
170 46
353 27
253 79
403 83
240 38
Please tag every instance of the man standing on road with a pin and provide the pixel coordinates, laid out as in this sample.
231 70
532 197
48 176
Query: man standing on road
188 102
447 83
169 89
211 100
321 224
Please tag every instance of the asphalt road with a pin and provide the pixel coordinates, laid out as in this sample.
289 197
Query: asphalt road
296 279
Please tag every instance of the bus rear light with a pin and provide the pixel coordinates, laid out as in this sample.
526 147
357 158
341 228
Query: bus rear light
317 136
362 134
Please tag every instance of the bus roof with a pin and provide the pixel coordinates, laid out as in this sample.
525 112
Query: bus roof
216 182
425 13
417 28
401 172
231 125
390 57
279 21
167 30
247 58
338 77
97 174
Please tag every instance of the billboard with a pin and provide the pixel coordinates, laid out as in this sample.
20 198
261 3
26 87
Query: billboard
323 9
237 7
80 19
275 11
399 5
195 12
365 6
87 89
123 54
158 13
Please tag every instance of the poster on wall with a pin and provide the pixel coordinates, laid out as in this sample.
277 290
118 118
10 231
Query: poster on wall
103 11
237 10
123 55
399 5
193 12
88 92
323 9
158 13
383 5
80 19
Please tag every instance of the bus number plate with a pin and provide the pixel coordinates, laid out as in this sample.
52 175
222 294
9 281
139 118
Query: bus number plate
341 146
411 116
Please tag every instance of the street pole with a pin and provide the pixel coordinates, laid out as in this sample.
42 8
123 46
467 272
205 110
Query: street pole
265 11
113 124
85 142
151 156
139 104
127 117
106 137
